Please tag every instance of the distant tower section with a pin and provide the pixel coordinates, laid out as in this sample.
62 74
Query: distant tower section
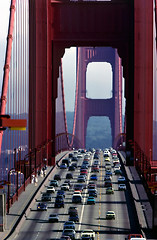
86 107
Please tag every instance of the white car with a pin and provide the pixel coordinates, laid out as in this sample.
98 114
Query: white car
88 232
50 189
122 187
53 217
65 187
121 179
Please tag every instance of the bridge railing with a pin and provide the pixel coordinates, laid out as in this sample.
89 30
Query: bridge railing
147 169
27 169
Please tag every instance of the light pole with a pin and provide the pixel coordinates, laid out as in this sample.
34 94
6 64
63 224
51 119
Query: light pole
12 171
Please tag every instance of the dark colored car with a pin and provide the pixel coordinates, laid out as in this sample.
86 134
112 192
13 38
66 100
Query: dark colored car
42 207
74 217
74 164
108 183
46 197
57 177
53 183
71 168
67 161
61 192
69 232
69 176
59 201
73 210
92 192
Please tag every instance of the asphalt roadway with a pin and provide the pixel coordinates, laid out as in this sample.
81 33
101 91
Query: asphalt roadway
18 212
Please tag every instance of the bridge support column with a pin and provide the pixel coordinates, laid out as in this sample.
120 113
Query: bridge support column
155 213
2 212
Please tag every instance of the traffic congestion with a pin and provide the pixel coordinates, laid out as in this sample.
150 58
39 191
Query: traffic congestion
85 198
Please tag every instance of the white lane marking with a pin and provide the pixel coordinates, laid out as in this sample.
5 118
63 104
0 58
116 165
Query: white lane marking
82 211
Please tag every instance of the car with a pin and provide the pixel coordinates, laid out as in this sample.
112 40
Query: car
63 237
74 164
67 161
92 192
59 202
96 156
78 186
84 166
57 177
121 179
63 166
61 192
110 215
69 182
108 183
69 176
73 209
107 177
107 159
122 187
71 155
94 177
108 172
95 168
134 235
50 189
90 200
86 237
77 192
92 186
84 171
77 198
46 197
74 217
42 206
84 174
71 168
53 183
96 162
74 159
69 225
88 232
108 167
53 217
116 168
109 190
81 178
69 232
65 187
118 172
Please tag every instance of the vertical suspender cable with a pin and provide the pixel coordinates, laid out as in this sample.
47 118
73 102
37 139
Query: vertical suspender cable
7 64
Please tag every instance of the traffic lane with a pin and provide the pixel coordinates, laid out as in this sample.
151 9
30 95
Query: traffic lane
37 222
95 216
43 219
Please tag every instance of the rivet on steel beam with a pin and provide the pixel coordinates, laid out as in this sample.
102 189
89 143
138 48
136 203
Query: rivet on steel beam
12 7
3 98
6 66
10 36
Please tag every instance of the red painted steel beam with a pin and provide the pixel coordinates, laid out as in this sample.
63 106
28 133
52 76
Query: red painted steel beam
143 75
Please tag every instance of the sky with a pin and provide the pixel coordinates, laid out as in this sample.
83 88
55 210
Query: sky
4 20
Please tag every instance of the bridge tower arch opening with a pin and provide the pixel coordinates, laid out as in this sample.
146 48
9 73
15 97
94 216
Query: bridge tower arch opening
99 80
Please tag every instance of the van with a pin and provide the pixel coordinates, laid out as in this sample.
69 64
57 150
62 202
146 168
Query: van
77 198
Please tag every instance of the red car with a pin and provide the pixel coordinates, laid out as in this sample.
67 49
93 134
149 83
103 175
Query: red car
134 235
